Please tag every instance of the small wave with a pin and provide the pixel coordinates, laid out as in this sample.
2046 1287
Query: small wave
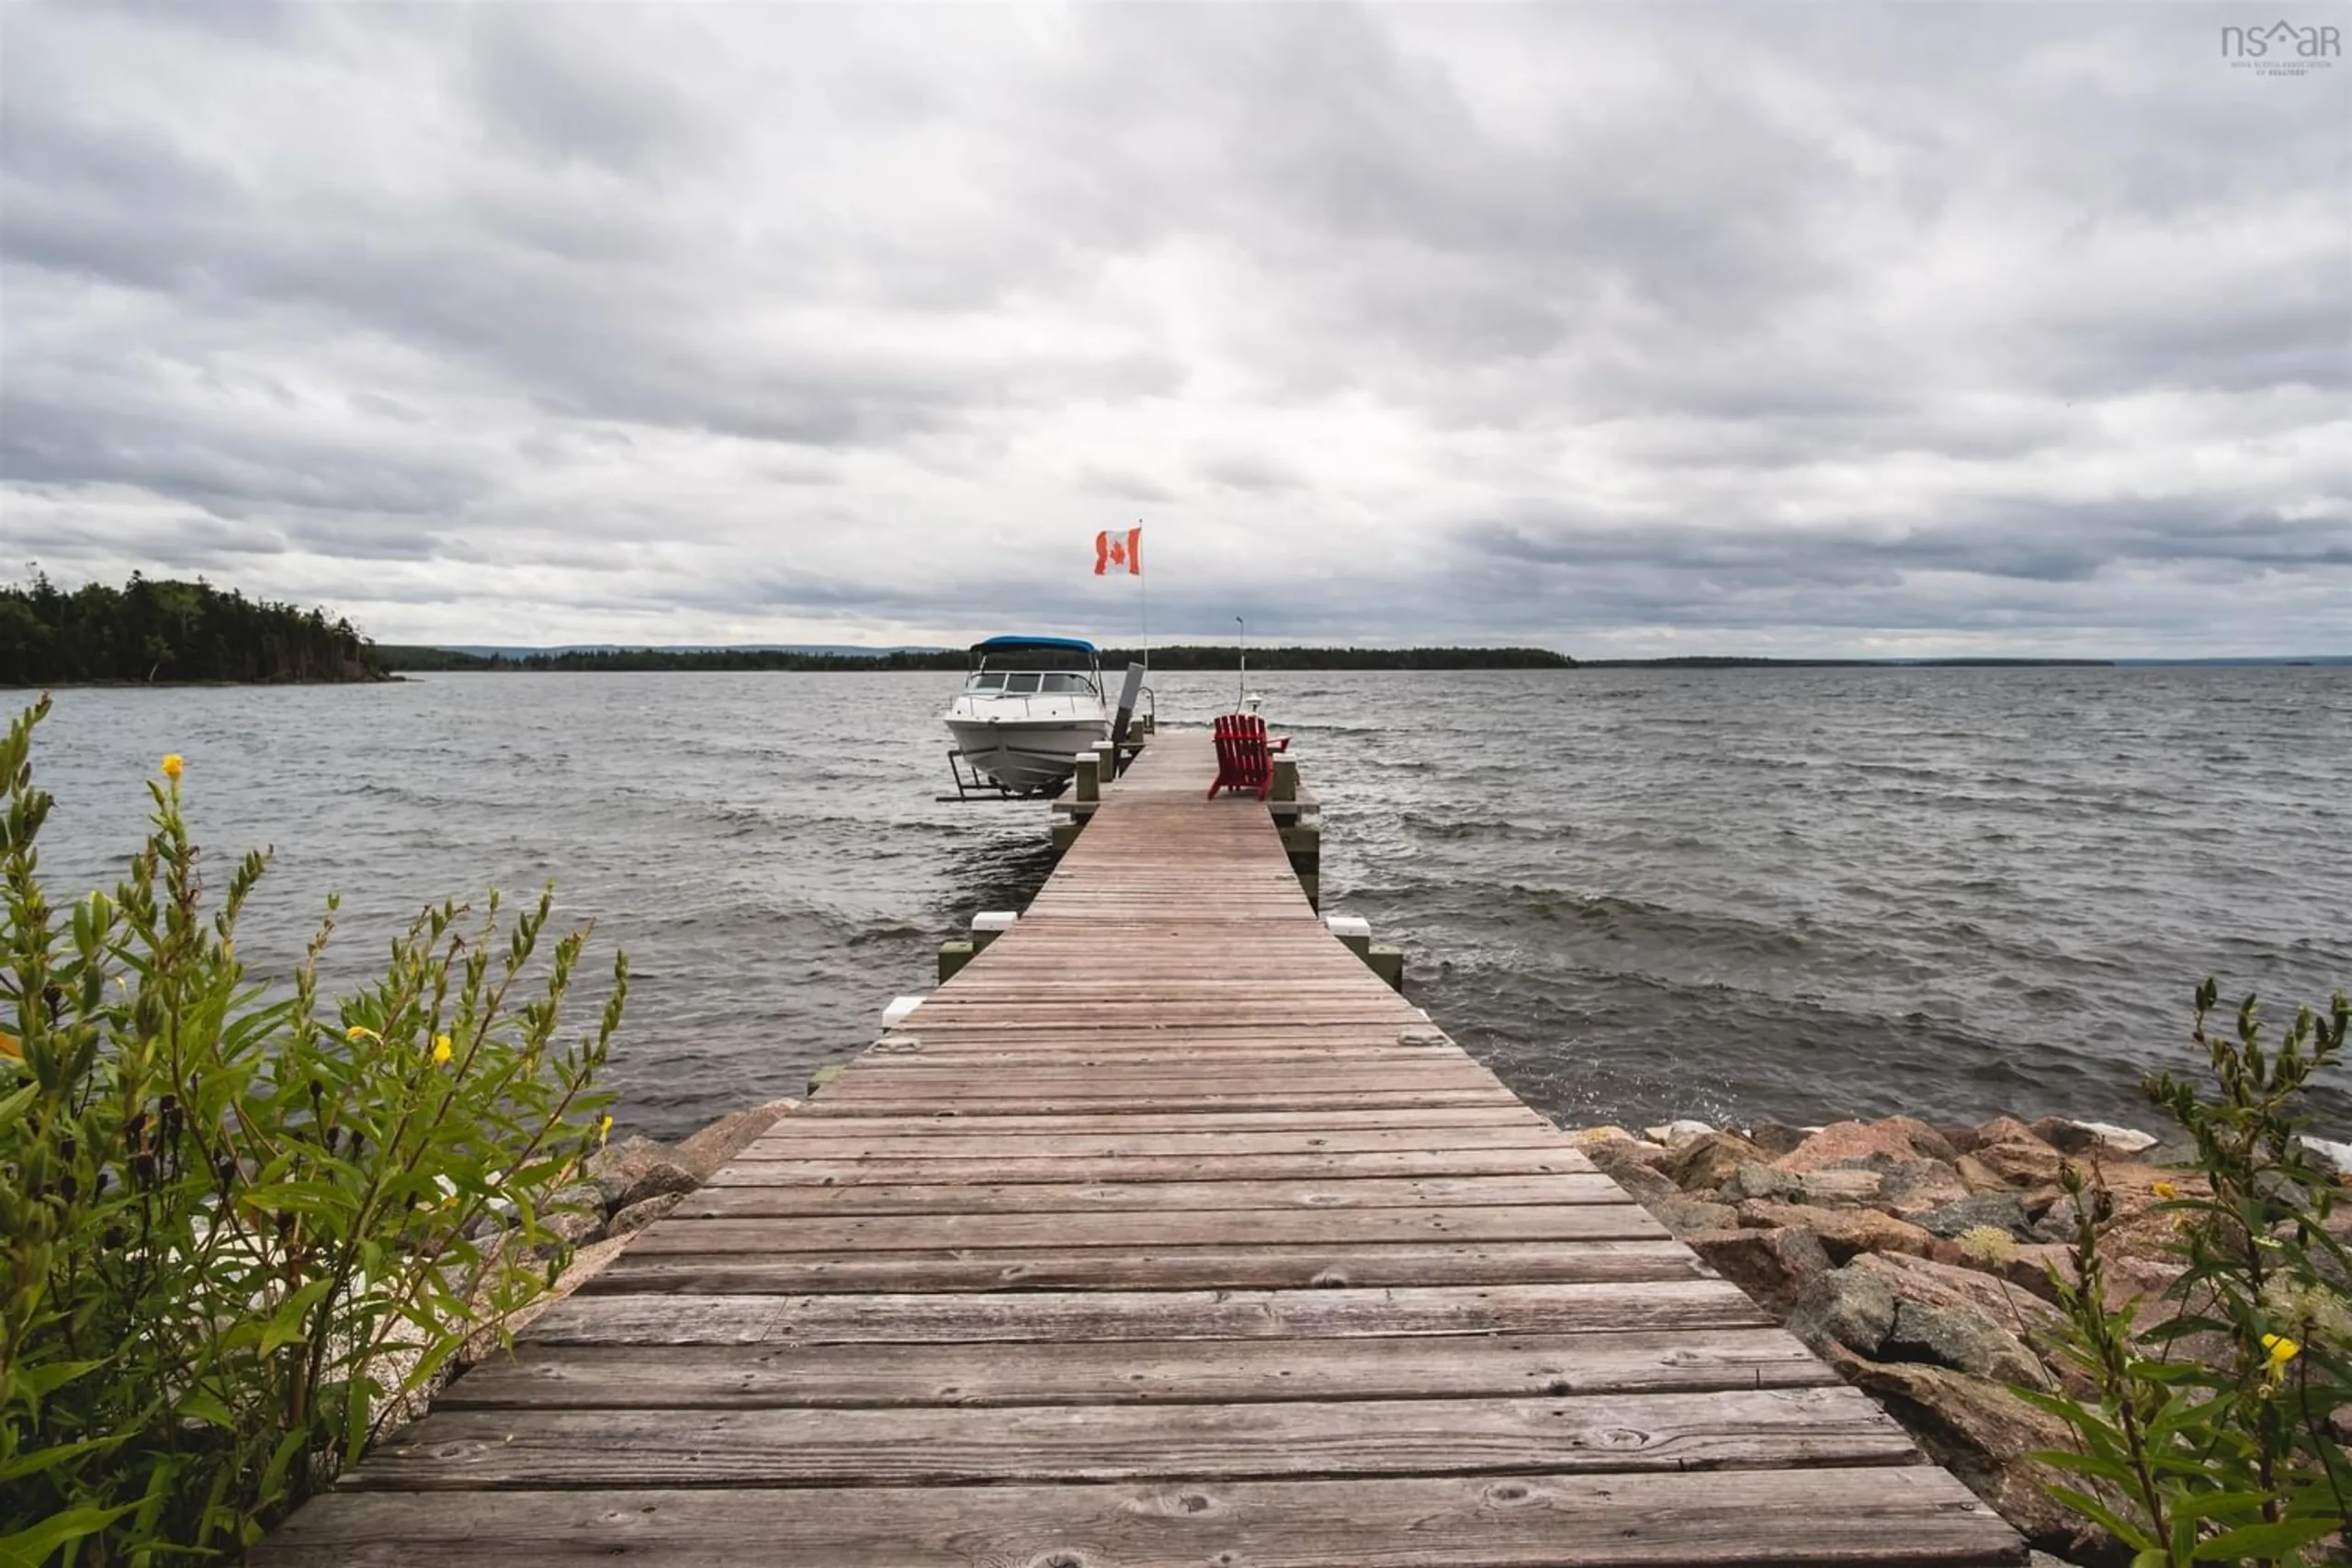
871 935
1479 828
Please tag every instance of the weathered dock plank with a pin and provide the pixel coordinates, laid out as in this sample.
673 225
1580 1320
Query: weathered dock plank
1134 1371
1882 1517
1116 1194
859 1233
1262 1266
1164 1234
457 1450
981 1170
1677 1296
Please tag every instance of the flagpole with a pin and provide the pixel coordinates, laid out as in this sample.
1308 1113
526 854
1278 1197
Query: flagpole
1143 588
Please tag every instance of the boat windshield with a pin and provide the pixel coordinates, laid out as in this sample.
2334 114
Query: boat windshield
1032 658
1021 682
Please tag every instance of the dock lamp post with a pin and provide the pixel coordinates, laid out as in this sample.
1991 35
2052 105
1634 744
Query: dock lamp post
1241 651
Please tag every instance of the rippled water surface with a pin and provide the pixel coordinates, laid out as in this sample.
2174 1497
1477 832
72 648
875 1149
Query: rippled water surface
1635 893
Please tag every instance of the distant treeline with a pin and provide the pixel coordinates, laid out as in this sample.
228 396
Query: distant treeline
1172 659
1229 657
155 629
618 659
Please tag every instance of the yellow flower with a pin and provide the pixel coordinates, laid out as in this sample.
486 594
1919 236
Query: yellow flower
355 1033
2281 1349
172 765
440 1047
2164 1190
14 1049
603 1131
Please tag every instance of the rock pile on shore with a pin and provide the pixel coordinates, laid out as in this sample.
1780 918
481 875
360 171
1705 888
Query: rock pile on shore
620 1190
1916 1260
628 1186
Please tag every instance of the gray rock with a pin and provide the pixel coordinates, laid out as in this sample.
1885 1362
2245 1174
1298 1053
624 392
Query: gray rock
724 1139
1962 1339
616 1169
1846 1232
2058 1223
1832 1187
2012 1163
1684 1214
637 1216
1772 1266
1944 1284
572 1216
2067 1137
2336 1157
1999 1210
1849 1307
658 1179
1987 1437
1675 1134
1609 1154
616 1157
583 1196
2122 1142
1776 1139
1646 1185
1878 1160
1707 1161
1753 1180
1908 1186
2105 1138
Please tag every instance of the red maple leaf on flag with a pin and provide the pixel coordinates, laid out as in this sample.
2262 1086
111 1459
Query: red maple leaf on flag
1114 549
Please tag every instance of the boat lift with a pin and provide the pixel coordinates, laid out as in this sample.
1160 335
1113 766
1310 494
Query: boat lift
971 784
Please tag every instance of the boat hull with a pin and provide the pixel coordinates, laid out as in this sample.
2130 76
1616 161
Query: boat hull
1029 756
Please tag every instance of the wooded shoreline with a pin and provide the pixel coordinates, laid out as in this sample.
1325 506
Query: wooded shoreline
1186 658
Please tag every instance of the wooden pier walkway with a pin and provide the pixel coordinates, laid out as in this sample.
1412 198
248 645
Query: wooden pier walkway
1163 1235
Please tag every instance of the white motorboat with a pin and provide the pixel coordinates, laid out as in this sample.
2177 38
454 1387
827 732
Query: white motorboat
1029 707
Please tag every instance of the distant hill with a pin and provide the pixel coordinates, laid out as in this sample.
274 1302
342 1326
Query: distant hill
842 656
615 658
828 650
1227 657
591 658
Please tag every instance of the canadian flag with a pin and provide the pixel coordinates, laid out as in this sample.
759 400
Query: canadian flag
1113 550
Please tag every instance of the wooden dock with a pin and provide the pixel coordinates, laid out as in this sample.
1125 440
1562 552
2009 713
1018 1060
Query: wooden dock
1163 1235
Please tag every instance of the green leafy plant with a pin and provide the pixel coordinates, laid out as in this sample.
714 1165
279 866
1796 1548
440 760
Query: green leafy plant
2206 1436
239 1230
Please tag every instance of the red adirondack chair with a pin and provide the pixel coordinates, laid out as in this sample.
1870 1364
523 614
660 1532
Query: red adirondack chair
1245 755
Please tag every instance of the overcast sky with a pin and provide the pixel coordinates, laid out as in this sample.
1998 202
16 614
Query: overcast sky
1773 328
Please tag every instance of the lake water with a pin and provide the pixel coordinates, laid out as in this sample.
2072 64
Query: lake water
1797 894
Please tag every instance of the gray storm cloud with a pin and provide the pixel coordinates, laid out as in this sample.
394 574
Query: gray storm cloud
1805 328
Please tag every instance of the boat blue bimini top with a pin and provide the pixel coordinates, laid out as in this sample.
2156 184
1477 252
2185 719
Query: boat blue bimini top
1036 653
1006 644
